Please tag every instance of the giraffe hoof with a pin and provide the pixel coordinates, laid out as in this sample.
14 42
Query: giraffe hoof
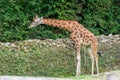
78 74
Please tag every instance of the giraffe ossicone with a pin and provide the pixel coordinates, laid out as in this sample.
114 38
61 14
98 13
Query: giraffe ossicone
79 35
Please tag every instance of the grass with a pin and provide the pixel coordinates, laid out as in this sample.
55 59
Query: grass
88 77
39 62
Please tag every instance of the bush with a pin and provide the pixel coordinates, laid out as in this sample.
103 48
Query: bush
101 17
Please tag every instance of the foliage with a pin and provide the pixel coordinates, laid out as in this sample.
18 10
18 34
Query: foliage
99 16
102 17
30 59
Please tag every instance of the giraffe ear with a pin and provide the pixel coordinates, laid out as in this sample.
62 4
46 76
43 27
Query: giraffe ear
41 18
33 18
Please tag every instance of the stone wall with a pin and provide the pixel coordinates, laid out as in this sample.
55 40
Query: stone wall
105 43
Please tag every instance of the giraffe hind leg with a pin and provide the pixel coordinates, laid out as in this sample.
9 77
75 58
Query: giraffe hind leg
96 59
90 51
97 67
95 56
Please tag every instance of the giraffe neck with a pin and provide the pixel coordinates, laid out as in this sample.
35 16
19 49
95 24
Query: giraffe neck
57 23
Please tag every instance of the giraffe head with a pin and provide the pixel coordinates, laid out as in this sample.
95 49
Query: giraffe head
36 21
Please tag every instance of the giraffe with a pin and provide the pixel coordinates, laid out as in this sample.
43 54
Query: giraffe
79 35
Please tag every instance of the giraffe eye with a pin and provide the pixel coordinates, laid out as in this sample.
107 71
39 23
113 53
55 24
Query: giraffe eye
35 21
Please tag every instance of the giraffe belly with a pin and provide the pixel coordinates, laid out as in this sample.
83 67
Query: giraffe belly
85 42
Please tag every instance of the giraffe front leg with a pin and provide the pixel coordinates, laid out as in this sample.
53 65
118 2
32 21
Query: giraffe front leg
77 42
78 66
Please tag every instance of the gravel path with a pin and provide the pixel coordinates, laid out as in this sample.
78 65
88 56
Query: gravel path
114 75
29 78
